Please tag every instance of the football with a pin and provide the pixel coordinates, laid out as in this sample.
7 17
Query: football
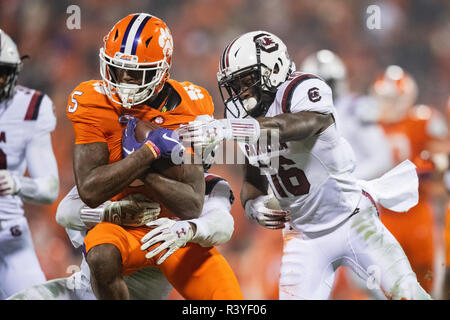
143 128
162 166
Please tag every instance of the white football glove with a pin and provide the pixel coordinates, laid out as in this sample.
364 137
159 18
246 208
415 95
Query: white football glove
171 235
206 133
266 211
132 211
9 184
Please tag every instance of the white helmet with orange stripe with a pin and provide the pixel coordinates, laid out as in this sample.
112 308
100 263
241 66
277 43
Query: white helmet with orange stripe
10 66
396 91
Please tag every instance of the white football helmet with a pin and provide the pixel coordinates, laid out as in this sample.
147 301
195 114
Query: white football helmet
396 91
250 70
10 66
327 65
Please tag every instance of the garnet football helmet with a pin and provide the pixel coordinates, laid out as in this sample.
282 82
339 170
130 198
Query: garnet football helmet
135 59
10 66
250 70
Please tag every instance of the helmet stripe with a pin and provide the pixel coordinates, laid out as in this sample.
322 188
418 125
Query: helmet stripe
138 34
127 31
227 63
223 58
133 30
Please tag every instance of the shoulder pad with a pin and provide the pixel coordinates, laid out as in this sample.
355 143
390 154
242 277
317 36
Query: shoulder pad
293 83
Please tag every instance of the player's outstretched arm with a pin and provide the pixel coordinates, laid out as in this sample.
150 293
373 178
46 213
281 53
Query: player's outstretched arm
185 197
297 126
214 226
42 187
132 211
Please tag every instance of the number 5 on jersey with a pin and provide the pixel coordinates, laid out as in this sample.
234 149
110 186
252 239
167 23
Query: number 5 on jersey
72 108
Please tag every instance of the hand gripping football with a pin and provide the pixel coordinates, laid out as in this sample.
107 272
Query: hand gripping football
163 166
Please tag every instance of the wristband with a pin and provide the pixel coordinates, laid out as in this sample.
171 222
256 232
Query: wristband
153 148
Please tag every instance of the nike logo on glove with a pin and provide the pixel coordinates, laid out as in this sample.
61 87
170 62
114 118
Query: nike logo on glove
170 139
128 152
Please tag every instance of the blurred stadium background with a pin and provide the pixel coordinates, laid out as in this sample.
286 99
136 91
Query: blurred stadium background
414 34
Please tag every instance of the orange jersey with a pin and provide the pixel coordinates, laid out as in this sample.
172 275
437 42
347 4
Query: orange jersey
95 118
410 137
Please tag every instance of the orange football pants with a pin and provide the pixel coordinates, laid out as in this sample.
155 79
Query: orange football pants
414 231
447 236
196 272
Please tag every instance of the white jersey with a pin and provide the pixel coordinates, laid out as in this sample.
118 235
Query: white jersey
314 179
27 115
358 116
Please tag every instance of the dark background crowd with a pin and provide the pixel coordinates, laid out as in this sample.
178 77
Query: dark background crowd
414 34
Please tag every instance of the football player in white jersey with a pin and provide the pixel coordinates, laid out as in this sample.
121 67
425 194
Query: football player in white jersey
213 227
357 113
328 219
26 121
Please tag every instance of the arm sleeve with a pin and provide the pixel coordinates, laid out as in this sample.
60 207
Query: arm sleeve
215 224
68 212
42 187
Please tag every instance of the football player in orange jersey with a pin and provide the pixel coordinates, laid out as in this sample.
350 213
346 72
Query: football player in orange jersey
134 65
446 293
410 129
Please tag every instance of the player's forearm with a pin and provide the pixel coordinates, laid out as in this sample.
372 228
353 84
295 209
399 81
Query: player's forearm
255 184
43 190
105 181
182 199
296 126
250 192
68 212
215 225
42 187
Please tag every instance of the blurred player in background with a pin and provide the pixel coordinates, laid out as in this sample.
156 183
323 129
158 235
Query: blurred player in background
446 178
327 216
26 122
212 228
134 65
411 129
358 115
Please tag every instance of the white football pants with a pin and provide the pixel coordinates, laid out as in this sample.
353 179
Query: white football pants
19 266
362 243
145 284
